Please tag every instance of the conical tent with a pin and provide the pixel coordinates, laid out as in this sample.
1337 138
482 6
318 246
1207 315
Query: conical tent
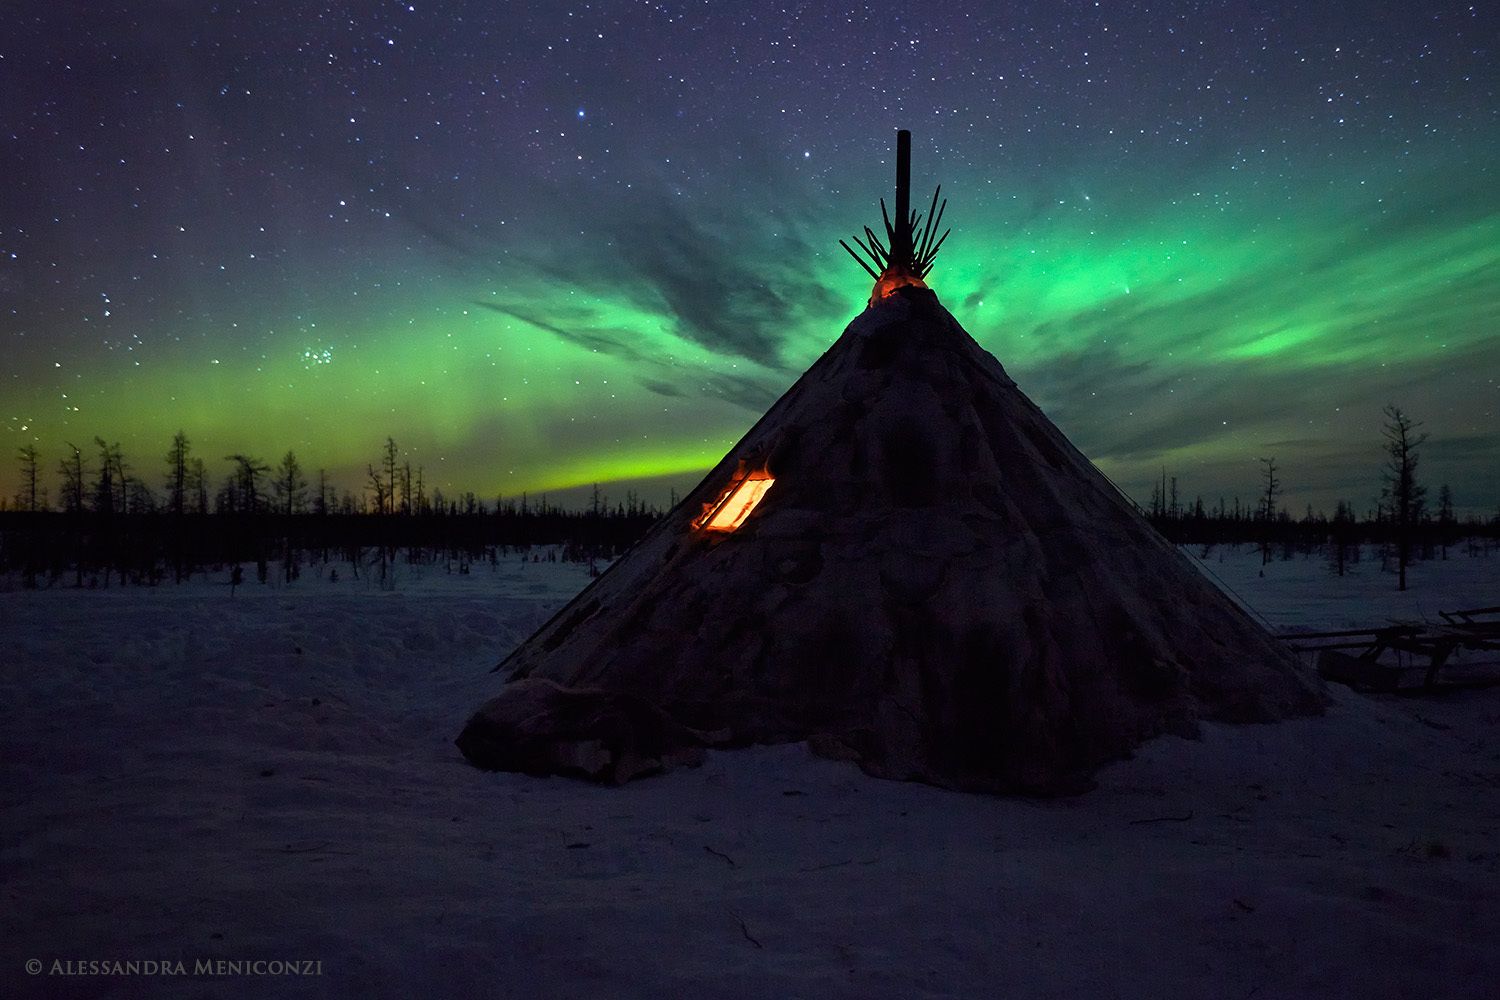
907 564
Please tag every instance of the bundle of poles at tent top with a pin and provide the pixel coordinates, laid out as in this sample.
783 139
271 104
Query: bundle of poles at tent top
904 251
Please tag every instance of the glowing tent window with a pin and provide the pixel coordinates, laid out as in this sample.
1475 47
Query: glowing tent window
737 503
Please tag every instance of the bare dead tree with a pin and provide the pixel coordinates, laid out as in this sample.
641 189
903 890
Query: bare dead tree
322 500
389 467
1272 490
73 469
377 486
1404 497
322 506
1342 538
384 502
245 484
177 475
27 497
290 486
1446 521
109 485
198 486
109 500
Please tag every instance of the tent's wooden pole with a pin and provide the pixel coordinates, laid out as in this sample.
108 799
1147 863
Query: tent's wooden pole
901 251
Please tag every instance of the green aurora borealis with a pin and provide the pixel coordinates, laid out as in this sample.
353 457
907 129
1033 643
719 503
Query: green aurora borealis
1189 299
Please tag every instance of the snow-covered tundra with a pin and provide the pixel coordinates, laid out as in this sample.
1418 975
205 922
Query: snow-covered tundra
206 795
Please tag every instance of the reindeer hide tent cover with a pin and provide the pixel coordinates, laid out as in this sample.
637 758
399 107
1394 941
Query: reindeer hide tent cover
936 585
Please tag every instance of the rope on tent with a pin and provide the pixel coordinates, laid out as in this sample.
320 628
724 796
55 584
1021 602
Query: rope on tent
1236 595
1216 578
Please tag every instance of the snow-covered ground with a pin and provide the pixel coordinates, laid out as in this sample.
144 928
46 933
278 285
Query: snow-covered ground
187 776
1301 594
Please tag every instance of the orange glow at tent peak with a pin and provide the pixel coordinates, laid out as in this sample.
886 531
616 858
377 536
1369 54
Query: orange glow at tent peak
892 278
743 495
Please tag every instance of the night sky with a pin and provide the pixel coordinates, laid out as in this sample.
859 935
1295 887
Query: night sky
548 244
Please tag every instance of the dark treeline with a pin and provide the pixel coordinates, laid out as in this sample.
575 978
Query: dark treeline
111 526
1234 522
1402 524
